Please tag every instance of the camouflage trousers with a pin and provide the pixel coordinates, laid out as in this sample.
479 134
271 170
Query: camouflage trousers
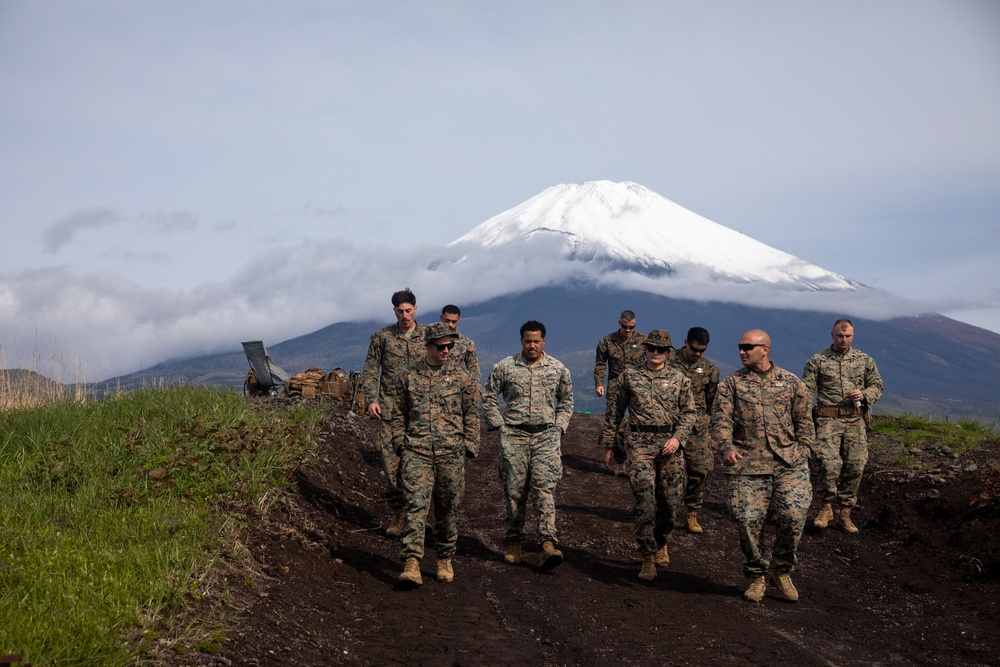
657 486
390 463
840 452
530 464
438 475
608 433
787 493
698 461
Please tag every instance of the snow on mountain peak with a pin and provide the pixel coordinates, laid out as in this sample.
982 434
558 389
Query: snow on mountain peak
626 226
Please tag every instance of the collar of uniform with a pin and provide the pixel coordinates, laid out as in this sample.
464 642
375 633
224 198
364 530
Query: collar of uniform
418 328
519 359
842 355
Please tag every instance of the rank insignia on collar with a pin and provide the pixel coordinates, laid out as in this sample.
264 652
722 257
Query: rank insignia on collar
779 384
698 370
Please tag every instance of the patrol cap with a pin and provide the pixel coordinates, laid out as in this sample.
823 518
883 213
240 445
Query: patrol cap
439 330
658 338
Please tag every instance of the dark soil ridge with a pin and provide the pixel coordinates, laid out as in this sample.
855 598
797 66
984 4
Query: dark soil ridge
917 586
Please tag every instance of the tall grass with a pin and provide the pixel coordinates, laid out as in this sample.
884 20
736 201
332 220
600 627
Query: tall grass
26 386
111 513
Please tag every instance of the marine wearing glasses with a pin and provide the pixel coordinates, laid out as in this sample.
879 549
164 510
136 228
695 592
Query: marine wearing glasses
435 428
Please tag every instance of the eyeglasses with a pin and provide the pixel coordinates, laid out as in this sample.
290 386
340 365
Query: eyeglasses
657 349
444 346
625 326
698 350
746 347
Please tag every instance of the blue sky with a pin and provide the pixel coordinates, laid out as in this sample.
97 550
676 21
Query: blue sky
180 176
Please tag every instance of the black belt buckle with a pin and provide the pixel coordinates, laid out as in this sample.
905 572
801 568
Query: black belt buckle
531 428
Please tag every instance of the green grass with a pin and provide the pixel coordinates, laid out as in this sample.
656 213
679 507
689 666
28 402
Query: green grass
961 437
112 513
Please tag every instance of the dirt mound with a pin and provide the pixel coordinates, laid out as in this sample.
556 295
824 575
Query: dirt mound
918 585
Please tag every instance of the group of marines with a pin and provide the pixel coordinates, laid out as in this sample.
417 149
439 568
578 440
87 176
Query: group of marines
667 418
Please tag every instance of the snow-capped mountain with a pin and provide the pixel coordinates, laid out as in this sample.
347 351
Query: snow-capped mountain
627 227
575 256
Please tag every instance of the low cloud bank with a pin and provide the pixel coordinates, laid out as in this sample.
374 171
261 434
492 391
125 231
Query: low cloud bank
105 326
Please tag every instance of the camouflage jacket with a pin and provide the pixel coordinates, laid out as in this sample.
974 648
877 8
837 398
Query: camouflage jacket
390 351
614 355
539 394
704 377
654 398
465 355
435 407
763 417
829 376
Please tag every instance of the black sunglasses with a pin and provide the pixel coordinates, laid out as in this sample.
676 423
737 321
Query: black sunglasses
625 326
746 347
699 350
444 346
657 349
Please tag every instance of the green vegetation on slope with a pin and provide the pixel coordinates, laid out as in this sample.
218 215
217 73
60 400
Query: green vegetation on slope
959 437
112 513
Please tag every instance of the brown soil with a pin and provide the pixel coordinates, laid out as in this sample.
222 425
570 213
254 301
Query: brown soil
918 585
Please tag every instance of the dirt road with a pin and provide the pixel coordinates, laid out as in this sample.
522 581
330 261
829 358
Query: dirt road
918 585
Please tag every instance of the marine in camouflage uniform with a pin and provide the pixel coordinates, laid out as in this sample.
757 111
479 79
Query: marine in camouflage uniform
762 430
466 355
390 351
435 428
616 352
698 460
662 413
846 383
465 350
538 394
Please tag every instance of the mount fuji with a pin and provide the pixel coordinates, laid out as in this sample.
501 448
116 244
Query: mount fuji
626 227
575 256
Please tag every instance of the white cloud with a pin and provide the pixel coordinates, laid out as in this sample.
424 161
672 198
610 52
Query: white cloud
112 326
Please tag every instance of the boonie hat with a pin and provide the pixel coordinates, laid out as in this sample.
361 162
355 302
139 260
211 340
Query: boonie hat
439 330
658 338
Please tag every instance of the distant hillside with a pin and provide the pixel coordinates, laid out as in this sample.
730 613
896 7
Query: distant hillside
931 365
15 378
20 387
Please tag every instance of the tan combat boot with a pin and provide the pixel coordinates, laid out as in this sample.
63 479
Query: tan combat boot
692 522
662 557
648 571
783 582
844 520
620 470
445 571
410 578
395 528
513 555
551 557
824 517
755 593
